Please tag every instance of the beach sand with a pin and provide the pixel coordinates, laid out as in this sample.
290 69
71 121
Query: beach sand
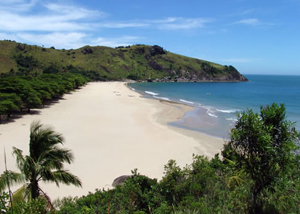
111 130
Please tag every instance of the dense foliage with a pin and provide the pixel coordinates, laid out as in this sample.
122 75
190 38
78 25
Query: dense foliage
262 146
258 173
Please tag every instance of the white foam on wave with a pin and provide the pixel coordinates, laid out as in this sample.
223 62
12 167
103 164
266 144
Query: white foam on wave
151 93
232 119
228 111
161 98
185 101
211 114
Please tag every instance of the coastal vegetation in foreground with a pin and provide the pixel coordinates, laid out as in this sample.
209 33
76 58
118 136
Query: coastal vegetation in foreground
259 172
45 162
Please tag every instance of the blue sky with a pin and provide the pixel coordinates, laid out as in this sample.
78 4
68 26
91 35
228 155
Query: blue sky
255 36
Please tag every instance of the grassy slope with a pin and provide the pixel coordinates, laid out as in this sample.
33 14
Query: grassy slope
6 52
116 63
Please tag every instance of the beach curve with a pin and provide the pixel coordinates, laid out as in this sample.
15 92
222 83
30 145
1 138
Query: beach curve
111 130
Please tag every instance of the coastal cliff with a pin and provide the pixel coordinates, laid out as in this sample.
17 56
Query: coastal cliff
137 62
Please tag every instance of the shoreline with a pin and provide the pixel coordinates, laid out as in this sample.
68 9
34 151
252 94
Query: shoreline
186 108
111 130
197 118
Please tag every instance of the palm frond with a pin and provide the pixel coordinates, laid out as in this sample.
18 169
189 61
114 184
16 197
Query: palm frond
57 156
236 179
20 195
42 138
29 167
19 157
65 177
12 177
44 162
35 126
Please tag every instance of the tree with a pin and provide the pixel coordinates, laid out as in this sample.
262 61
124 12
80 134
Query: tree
9 102
22 88
44 162
263 146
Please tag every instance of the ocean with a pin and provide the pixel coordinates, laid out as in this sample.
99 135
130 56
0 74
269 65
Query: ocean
218 103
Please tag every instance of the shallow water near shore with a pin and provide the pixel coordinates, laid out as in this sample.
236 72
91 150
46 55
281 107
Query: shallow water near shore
217 104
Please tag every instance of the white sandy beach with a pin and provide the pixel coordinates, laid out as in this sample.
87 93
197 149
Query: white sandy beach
111 131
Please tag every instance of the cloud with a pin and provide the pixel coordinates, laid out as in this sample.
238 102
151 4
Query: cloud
246 12
179 23
67 26
51 17
17 5
241 60
58 40
17 23
8 36
170 23
61 26
115 42
70 40
69 12
236 60
252 22
123 24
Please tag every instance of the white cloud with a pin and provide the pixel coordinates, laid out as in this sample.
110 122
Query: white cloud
246 12
122 24
70 40
68 26
17 23
179 23
236 60
170 23
8 36
58 40
240 60
252 22
114 42
17 5
9 2
61 26
71 12
55 18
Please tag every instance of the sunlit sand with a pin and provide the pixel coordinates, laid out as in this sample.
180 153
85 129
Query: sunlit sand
111 131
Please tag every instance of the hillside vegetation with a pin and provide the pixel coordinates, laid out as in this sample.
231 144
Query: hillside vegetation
32 76
137 62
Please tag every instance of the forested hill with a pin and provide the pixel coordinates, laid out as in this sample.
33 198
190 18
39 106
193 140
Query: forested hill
137 62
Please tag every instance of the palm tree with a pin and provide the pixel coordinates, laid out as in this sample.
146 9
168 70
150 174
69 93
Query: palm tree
44 162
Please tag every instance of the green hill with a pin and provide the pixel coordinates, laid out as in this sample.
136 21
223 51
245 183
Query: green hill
137 62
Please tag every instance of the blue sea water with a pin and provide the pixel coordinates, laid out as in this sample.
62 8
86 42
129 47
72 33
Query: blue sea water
217 104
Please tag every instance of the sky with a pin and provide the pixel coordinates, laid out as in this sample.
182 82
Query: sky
255 36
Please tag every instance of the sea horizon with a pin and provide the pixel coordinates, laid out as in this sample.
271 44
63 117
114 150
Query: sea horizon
216 104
